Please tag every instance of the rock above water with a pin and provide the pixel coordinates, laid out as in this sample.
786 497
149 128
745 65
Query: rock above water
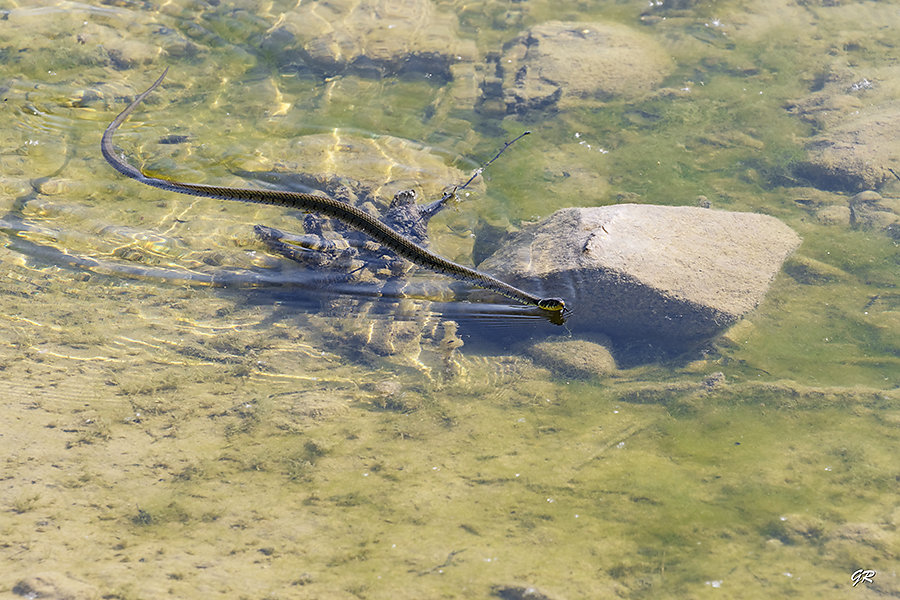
672 275
564 63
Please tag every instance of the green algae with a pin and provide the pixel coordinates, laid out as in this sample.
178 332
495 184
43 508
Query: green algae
207 441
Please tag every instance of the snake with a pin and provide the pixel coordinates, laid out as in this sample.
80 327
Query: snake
329 207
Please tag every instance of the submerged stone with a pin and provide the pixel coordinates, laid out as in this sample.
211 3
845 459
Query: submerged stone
857 154
870 210
857 122
518 592
573 357
810 271
673 275
561 63
54 585
370 38
383 165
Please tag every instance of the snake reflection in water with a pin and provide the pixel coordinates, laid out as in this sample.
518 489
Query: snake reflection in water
346 213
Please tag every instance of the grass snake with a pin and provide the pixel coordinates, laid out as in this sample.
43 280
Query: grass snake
329 207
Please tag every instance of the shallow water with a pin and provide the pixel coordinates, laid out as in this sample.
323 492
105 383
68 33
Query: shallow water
163 435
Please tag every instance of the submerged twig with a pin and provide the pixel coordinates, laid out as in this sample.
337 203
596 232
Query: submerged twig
432 209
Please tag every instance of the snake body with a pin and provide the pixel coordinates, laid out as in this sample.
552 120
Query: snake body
329 207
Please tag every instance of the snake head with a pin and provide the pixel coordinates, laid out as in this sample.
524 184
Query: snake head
554 304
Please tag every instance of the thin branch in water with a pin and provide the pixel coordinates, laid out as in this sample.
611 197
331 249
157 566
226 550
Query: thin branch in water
450 193
481 169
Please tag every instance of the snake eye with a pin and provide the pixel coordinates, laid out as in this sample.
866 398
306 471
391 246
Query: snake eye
552 304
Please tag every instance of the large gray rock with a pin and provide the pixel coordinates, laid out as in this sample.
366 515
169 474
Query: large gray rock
669 274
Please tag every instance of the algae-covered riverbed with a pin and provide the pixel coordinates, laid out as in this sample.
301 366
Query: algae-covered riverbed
187 414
